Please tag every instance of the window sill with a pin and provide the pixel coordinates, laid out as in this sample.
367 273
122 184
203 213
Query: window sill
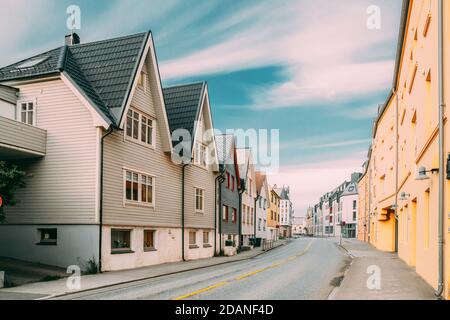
200 166
122 251
193 246
46 244
128 203
150 249
207 246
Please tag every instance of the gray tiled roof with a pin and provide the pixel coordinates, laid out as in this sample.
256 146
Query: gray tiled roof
103 70
183 104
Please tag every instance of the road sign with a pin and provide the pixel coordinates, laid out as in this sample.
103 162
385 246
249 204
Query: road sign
1 201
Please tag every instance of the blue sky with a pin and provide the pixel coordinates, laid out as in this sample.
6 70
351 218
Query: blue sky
310 68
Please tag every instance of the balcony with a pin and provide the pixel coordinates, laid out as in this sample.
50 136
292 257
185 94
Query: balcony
20 141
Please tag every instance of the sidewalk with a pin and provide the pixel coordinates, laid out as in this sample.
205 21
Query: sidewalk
43 290
398 281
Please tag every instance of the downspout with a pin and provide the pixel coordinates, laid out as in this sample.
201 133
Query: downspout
219 179
241 191
440 288
396 171
182 210
110 130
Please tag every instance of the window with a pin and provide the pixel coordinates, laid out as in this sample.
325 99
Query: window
139 188
192 239
232 183
27 113
199 199
225 213
146 130
141 80
354 215
48 237
234 215
354 204
259 224
264 225
205 238
228 180
200 154
149 240
120 240
139 127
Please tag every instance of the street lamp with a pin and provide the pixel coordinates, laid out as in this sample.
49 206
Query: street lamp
404 196
422 173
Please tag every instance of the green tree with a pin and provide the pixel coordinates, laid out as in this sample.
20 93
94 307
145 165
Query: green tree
11 178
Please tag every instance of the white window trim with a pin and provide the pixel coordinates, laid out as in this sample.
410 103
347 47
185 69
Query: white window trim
199 164
195 200
131 203
19 111
138 140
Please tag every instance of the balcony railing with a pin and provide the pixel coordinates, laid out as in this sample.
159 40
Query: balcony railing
19 140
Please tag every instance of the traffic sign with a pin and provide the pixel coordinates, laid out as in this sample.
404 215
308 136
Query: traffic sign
1 201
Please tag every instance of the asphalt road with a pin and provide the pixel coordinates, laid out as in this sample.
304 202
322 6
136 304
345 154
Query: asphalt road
301 270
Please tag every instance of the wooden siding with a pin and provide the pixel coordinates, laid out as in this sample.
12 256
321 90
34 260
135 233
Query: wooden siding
122 153
15 134
62 186
8 94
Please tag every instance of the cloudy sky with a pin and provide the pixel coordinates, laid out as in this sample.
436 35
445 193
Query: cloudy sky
310 68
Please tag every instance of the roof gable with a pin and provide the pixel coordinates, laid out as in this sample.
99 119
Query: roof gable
104 71
183 104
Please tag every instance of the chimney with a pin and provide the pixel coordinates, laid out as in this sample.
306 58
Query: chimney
72 39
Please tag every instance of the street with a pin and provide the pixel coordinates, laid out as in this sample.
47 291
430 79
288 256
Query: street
303 269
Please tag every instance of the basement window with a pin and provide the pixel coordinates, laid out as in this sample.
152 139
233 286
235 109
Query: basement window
120 241
48 237
149 240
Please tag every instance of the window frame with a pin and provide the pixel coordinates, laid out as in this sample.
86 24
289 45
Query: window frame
234 215
138 140
154 247
202 210
198 149
192 245
19 111
206 244
138 202
47 242
121 250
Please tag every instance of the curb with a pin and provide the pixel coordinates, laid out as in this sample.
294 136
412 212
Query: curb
52 296
335 290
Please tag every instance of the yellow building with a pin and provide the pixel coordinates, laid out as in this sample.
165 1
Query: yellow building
363 203
405 165
273 214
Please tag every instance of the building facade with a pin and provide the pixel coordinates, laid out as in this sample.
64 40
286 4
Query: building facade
409 189
262 203
228 227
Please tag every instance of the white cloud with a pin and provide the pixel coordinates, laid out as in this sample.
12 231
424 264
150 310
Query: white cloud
323 52
309 182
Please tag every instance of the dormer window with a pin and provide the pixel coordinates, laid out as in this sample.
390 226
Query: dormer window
200 154
27 112
140 128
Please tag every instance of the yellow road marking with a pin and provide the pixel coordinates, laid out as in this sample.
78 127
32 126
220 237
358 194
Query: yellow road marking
251 273
201 291
220 284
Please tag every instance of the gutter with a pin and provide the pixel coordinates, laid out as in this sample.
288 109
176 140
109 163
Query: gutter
110 130
440 288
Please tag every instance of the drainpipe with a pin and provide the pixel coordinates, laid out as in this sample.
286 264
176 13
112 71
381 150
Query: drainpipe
182 210
396 170
440 288
219 179
110 130
241 191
